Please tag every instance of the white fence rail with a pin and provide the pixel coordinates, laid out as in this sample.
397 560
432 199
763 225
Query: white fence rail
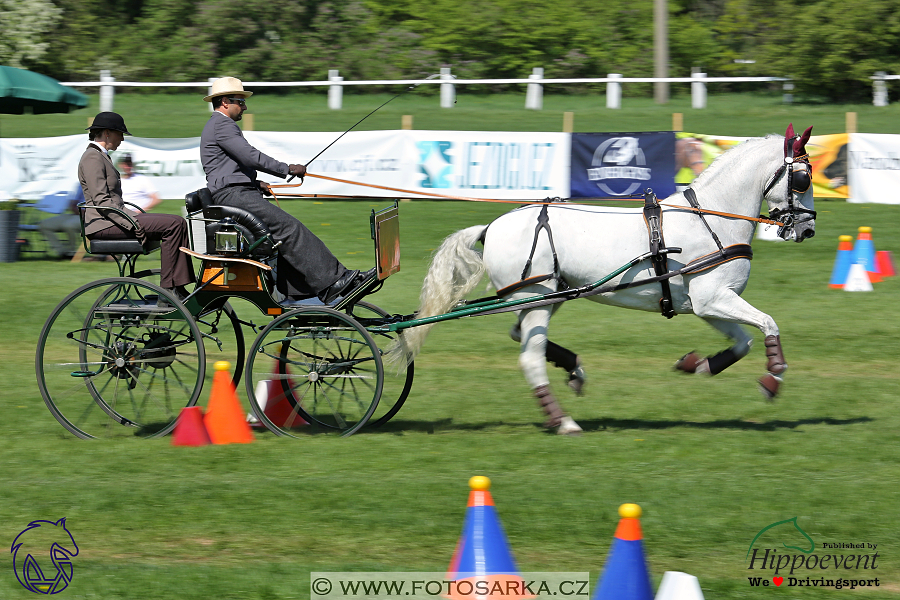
533 96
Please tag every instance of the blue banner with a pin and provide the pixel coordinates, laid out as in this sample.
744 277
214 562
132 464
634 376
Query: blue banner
614 165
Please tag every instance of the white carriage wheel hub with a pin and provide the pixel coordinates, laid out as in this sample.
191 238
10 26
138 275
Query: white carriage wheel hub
313 376
120 362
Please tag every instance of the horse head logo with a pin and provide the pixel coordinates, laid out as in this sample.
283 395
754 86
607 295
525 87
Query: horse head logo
784 533
38 540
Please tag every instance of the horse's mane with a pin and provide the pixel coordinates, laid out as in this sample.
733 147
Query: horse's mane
731 153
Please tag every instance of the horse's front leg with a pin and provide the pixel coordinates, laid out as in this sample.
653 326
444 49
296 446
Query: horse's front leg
725 310
533 326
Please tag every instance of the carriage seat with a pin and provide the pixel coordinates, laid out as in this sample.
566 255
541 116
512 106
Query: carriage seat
127 247
251 228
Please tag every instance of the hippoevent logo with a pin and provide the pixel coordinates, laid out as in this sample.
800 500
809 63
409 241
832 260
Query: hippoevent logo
42 556
619 166
786 555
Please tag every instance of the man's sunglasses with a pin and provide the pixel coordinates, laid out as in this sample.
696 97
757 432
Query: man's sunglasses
238 101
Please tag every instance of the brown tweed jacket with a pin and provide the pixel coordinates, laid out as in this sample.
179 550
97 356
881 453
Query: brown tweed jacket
102 186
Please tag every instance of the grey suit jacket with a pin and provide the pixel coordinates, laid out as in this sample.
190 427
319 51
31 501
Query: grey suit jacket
229 158
102 186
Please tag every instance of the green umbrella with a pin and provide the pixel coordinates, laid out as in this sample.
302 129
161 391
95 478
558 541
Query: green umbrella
22 90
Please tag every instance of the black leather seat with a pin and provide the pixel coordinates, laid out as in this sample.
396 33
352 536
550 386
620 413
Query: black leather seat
251 228
127 247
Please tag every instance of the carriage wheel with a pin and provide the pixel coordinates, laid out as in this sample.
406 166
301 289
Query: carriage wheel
221 330
396 385
316 366
111 363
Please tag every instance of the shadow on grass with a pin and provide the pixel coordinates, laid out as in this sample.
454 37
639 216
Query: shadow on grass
399 426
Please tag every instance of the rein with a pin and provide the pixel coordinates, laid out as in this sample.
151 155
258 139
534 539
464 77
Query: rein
695 209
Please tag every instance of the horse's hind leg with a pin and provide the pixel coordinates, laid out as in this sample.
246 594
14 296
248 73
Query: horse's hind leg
561 357
532 359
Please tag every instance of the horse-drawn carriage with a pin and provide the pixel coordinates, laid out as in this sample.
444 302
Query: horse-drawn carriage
124 355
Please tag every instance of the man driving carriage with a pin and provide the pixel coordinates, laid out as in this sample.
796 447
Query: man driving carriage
305 265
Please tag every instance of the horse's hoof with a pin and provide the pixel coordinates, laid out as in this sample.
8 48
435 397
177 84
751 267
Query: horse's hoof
568 426
769 384
690 362
577 379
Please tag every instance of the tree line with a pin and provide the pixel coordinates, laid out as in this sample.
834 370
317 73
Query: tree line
830 48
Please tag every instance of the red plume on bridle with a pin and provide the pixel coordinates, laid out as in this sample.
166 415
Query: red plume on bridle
800 144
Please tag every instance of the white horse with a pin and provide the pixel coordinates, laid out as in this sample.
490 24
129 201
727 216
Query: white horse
592 242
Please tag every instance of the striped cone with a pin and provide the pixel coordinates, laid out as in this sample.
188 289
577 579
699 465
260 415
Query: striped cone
625 576
864 252
842 262
482 562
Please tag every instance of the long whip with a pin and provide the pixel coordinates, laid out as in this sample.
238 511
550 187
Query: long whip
412 87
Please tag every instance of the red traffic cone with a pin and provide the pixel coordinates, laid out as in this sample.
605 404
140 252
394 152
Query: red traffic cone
225 420
885 263
189 428
277 407
625 576
482 565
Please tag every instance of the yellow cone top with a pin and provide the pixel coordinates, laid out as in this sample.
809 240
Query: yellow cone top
845 238
480 483
865 230
630 511
222 365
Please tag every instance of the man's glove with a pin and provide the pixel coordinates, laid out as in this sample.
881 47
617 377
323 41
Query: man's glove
296 170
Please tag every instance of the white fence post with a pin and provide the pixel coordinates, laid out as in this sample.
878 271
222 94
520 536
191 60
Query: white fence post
335 92
788 96
698 89
614 91
879 90
211 81
448 91
534 92
107 92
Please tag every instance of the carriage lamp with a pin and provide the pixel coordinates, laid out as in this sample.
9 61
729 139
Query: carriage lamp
227 237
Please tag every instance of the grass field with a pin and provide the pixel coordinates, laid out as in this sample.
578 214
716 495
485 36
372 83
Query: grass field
183 115
709 461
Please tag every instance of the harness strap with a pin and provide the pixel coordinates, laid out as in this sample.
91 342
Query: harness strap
524 283
691 196
543 223
653 218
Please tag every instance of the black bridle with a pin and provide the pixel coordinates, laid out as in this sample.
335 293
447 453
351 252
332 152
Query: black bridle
798 181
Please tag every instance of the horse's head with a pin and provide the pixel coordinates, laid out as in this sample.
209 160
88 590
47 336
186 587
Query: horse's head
789 191
30 550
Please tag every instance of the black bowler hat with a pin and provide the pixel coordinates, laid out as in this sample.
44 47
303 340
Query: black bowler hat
109 120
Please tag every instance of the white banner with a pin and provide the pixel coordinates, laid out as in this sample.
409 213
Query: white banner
504 165
874 168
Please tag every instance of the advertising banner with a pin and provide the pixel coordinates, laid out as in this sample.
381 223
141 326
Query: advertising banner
501 165
874 168
613 165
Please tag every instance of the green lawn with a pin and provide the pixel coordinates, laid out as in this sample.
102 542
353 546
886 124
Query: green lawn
748 114
709 461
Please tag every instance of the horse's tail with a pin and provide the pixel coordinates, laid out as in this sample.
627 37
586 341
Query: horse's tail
456 269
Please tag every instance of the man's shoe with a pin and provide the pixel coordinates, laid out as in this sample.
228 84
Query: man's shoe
344 284
178 291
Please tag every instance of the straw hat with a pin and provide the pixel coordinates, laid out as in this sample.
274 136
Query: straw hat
227 86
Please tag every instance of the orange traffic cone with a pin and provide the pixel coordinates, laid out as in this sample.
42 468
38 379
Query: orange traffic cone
189 429
224 418
885 263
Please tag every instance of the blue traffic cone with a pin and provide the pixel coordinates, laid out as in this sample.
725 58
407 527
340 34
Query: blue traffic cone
842 262
482 562
625 576
864 252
